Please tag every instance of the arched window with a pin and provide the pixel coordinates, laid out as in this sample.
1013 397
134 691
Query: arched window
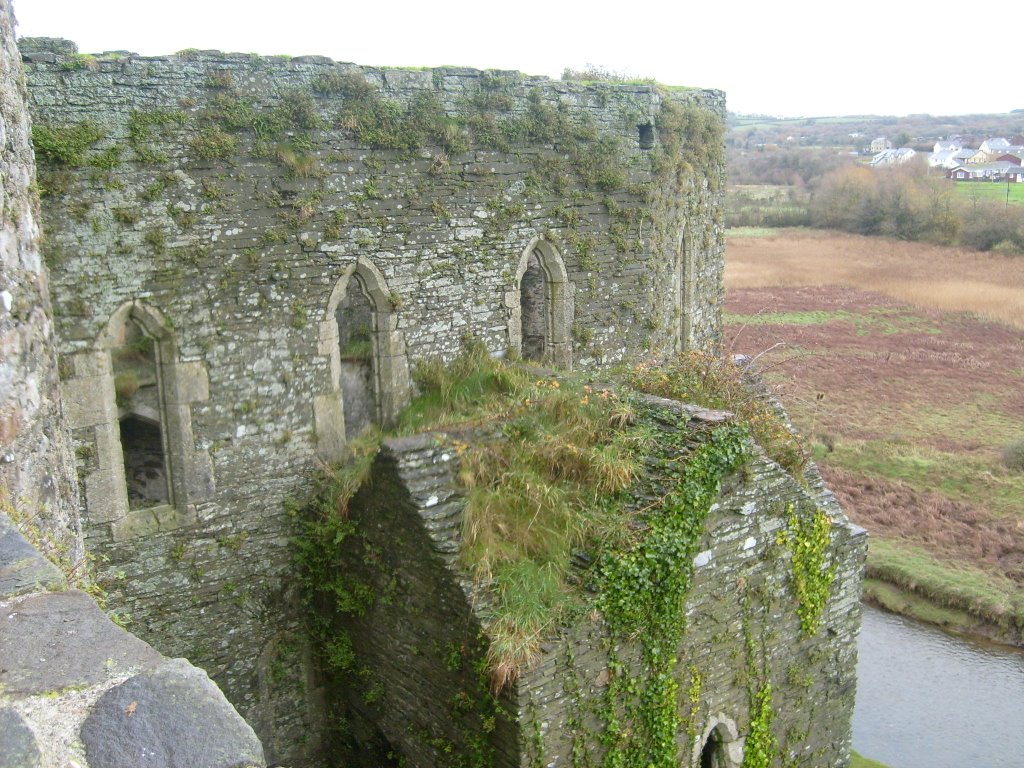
369 373
713 755
358 363
140 415
130 399
541 307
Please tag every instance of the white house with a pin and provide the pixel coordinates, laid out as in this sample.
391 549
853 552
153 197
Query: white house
892 157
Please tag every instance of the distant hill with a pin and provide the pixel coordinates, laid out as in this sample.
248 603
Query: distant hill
855 132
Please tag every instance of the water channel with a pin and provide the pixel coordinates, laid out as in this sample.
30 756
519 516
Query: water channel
926 699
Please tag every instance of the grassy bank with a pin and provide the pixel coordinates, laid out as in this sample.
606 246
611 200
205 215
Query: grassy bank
858 761
908 405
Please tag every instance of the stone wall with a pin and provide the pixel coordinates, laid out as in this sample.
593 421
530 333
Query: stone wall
422 642
37 475
75 689
223 204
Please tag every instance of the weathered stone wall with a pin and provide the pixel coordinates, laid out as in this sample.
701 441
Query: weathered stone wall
742 628
75 689
223 203
37 475
742 631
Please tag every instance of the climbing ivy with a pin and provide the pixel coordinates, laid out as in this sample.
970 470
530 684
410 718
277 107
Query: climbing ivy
643 595
808 537
761 746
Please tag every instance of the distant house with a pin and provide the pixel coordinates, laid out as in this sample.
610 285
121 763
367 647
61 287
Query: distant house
998 171
892 157
1009 157
1016 175
998 144
949 158
880 144
953 145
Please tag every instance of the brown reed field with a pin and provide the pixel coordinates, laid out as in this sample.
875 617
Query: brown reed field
903 366
954 279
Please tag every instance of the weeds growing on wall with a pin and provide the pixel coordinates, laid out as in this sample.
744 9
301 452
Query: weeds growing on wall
643 590
323 526
702 379
545 485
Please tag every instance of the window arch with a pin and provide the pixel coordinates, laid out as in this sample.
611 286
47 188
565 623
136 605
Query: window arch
369 373
130 398
540 306
720 745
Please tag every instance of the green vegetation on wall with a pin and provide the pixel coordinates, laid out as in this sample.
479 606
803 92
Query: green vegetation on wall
808 537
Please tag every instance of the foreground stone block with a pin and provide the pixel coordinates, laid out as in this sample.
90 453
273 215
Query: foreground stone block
174 717
18 748
22 569
53 641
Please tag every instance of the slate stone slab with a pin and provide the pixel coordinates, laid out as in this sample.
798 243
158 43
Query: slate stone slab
52 641
18 748
22 568
173 717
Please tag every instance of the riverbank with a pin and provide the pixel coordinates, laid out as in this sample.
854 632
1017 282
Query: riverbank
858 761
907 406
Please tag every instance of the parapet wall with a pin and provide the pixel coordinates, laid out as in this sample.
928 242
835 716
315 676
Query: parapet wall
232 208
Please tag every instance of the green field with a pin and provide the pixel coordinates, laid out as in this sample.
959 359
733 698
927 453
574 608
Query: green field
990 190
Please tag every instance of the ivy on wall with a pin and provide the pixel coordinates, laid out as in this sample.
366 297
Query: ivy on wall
807 536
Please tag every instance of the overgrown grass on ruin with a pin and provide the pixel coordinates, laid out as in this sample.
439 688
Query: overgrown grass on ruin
544 461
537 490
712 382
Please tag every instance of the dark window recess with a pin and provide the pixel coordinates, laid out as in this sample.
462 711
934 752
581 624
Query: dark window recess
646 136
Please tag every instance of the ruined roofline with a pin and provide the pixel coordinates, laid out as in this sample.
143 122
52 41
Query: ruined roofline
57 50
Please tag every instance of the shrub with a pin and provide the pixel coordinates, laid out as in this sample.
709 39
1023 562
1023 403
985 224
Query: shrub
1013 456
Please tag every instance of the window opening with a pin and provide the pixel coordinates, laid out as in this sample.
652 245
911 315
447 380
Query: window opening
139 413
534 300
646 132
355 317
713 754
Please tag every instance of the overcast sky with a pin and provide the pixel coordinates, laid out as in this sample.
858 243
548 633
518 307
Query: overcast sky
787 57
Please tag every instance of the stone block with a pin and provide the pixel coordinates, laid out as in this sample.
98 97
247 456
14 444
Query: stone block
175 717
329 419
18 748
106 495
22 568
190 383
56 640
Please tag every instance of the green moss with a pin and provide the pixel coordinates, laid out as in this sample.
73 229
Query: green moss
65 145
212 144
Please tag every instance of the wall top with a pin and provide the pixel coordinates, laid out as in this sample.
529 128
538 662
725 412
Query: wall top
55 50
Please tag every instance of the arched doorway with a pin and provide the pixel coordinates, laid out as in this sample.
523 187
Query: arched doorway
540 307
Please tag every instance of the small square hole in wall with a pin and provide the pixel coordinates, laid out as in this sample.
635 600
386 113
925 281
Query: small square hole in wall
646 131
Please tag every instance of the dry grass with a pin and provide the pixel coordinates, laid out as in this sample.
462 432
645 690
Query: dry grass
951 279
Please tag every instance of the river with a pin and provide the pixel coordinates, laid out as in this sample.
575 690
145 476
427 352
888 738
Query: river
926 699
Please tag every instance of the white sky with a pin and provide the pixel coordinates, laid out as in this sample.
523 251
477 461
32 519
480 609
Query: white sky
781 57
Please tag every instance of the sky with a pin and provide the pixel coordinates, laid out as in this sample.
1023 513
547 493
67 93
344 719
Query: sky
793 58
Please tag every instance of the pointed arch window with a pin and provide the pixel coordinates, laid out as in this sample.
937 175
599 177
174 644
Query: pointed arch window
541 307
369 372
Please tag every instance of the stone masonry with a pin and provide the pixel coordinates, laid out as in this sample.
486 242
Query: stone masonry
742 628
75 688
210 211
